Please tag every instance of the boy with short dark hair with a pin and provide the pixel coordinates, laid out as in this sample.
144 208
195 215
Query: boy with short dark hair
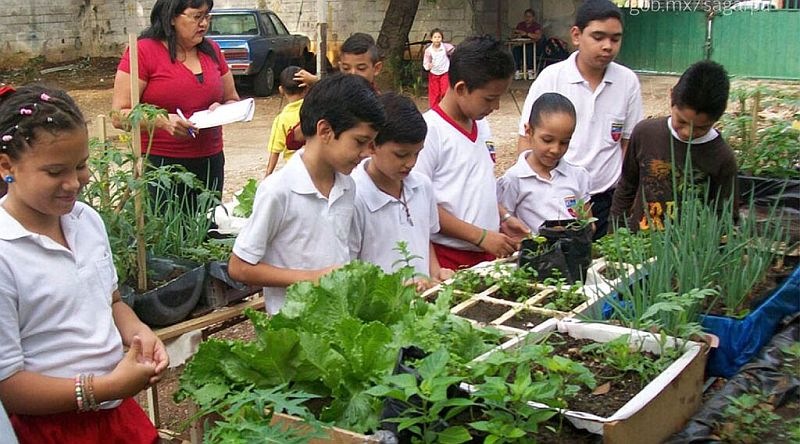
302 214
459 158
287 118
394 203
606 95
659 146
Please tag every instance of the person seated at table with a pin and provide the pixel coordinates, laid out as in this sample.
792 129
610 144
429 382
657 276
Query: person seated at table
526 29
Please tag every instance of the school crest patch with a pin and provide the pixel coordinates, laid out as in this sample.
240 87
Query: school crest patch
569 203
492 151
616 131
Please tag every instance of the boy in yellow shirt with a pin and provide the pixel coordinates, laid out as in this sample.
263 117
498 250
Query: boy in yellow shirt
287 119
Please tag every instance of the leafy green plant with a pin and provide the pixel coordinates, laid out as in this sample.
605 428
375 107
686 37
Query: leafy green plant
747 419
246 196
623 247
583 217
566 297
791 360
469 281
514 281
427 402
621 356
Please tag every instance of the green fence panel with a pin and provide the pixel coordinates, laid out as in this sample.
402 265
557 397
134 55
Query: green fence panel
662 41
763 44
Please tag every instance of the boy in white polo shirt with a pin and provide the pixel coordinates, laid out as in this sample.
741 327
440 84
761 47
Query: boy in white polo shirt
606 96
542 185
459 158
394 203
302 214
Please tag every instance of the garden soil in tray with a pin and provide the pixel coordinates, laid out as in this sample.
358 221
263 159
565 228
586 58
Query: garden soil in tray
525 320
483 311
624 386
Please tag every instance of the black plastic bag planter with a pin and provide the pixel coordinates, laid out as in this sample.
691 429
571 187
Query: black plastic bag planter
174 300
766 192
741 339
542 259
761 375
221 289
576 244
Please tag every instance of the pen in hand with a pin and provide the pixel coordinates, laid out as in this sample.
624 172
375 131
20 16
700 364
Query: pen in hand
191 130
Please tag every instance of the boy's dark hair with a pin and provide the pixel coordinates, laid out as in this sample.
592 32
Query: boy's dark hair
435 30
704 88
596 10
161 25
550 103
404 123
478 60
359 43
32 108
343 100
287 81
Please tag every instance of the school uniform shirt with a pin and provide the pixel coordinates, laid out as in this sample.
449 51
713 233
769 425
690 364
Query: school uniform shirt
605 116
381 220
437 61
645 194
294 226
535 199
55 303
460 166
284 122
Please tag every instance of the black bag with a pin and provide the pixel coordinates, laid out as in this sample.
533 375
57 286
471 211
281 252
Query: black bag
542 259
576 243
555 50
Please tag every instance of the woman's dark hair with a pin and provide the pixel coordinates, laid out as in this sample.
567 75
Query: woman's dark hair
480 60
704 88
32 108
533 13
596 10
550 103
161 25
344 101
404 123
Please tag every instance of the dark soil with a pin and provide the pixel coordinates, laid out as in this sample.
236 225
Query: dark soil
484 311
525 320
624 386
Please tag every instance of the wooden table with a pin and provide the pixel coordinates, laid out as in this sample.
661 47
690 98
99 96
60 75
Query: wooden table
511 43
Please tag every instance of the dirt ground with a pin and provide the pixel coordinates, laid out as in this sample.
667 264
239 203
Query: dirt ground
90 83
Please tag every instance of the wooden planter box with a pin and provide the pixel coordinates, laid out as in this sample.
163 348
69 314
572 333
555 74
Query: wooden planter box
660 409
335 434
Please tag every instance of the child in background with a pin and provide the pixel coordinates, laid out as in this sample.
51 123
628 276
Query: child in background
644 193
359 55
437 62
459 158
394 203
63 375
302 214
288 117
541 185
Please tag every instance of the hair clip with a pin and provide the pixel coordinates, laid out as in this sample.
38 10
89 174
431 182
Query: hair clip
49 119
7 138
44 97
25 111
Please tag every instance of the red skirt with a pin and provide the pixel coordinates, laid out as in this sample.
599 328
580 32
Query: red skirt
125 424
454 259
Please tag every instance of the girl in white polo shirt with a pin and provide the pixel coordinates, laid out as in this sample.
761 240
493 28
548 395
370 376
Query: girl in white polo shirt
63 375
394 203
541 185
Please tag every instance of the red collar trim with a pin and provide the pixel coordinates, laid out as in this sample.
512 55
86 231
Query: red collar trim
472 136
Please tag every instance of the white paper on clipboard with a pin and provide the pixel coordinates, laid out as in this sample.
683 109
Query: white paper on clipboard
241 111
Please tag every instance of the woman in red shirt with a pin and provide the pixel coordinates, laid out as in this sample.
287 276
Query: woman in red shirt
526 29
180 69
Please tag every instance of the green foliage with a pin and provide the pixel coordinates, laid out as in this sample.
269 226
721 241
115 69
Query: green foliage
468 281
623 247
746 419
583 216
621 356
335 340
566 297
791 360
427 406
246 196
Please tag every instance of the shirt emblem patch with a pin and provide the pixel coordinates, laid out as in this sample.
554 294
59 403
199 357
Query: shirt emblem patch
616 131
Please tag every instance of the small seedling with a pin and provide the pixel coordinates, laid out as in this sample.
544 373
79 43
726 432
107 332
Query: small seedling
748 418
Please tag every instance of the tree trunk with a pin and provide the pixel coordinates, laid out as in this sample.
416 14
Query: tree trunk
393 37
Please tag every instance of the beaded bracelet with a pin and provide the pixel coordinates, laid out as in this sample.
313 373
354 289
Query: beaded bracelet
79 391
90 393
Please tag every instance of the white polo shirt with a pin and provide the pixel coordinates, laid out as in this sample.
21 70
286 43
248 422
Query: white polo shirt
605 116
461 169
55 303
380 221
294 226
535 199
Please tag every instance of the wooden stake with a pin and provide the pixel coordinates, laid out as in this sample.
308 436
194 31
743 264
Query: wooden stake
102 136
756 109
136 141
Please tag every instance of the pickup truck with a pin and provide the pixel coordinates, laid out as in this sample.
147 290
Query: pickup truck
257 46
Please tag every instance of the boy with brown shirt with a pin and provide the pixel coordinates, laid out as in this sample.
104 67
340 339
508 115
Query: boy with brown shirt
644 194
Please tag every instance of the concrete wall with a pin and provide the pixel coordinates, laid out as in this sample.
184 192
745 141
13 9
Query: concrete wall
62 30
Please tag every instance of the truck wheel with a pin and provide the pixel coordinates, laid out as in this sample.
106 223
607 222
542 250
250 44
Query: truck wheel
264 81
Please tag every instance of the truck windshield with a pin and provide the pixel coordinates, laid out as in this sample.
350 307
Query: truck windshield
234 24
